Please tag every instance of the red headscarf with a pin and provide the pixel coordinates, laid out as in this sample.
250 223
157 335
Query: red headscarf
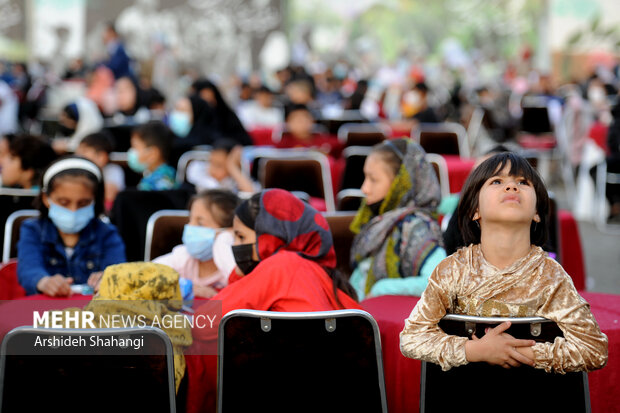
286 223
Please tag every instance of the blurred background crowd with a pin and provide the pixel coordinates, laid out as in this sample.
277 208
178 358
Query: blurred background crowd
221 74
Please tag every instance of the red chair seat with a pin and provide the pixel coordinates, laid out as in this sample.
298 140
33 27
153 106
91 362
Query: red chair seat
9 286
529 141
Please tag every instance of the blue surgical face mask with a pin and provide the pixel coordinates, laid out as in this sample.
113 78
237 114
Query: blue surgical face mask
179 123
133 161
199 241
68 221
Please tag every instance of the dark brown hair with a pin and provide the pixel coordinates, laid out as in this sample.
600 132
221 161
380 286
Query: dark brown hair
87 179
392 153
519 166
221 203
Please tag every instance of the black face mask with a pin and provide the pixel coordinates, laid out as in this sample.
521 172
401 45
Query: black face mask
243 257
375 207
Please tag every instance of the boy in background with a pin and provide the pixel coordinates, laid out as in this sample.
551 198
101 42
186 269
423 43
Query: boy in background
151 144
96 147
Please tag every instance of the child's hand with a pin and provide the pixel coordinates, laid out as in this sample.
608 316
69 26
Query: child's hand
55 285
94 280
498 348
233 161
204 291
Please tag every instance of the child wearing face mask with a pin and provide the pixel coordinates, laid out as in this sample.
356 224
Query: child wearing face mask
205 257
67 244
151 145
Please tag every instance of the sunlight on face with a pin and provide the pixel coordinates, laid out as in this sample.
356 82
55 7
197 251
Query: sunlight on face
378 179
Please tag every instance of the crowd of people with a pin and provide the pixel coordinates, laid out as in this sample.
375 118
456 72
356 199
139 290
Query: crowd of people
269 250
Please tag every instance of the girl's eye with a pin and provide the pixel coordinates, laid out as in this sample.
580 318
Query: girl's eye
524 182
496 181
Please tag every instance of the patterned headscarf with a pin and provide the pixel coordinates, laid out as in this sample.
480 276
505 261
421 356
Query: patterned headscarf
286 223
147 289
405 231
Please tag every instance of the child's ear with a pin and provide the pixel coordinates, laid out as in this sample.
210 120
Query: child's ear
45 200
536 218
476 216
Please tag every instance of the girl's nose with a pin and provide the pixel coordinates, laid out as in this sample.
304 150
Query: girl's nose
511 186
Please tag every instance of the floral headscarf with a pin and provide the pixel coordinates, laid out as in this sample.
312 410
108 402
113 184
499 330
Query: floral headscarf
286 223
405 232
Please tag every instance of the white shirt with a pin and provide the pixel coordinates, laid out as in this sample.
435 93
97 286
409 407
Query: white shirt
253 115
187 266
197 175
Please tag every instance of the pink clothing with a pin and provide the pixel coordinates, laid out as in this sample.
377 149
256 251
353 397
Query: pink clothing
187 266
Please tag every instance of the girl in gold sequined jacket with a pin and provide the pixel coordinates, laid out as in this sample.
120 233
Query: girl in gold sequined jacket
504 273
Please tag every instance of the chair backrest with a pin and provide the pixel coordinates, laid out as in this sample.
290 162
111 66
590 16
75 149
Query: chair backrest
445 138
363 134
314 361
354 159
132 210
187 158
441 170
11 232
308 172
164 231
535 119
12 200
484 387
90 377
339 223
349 199
333 122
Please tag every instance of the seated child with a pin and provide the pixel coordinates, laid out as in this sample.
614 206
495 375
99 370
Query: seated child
25 160
67 244
151 144
223 170
205 257
300 133
503 272
97 147
397 242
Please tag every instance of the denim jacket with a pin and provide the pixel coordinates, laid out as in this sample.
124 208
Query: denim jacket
40 252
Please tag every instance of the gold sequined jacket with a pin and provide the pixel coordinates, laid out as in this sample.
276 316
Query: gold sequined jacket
536 285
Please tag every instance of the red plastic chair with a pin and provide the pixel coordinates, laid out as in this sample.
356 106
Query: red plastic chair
9 286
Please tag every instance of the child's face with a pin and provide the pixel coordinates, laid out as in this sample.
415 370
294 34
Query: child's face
243 234
12 172
70 192
377 179
199 215
300 123
217 165
4 149
147 155
507 199
100 158
125 94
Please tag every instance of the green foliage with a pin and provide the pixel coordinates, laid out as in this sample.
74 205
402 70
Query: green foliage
499 27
